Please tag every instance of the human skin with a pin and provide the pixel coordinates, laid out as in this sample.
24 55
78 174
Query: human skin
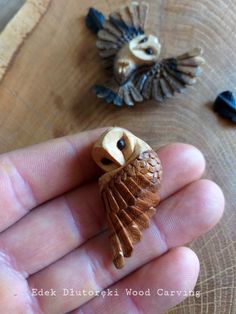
53 231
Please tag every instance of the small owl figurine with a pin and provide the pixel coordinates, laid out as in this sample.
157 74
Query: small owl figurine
132 58
129 187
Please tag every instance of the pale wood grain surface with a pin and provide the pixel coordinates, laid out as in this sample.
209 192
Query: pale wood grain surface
18 28
45 94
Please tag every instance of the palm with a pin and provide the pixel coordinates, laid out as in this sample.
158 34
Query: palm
60 242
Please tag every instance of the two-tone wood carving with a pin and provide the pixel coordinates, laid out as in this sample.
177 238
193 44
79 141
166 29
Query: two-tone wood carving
129 187
132 59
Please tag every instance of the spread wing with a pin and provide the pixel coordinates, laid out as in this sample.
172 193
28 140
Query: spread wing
130 199
120 27
163 79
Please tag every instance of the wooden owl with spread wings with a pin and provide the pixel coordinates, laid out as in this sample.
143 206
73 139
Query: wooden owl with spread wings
132 57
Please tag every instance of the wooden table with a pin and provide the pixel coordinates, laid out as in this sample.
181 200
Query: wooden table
45 94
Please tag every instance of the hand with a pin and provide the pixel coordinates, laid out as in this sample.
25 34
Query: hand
52 222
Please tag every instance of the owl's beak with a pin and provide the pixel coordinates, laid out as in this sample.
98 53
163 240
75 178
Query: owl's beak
138 47
119 159
113 153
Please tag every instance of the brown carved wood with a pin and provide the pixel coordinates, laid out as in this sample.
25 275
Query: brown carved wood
45 94
129 189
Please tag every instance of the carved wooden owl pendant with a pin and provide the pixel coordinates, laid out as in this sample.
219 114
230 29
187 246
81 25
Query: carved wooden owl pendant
129 188
132 58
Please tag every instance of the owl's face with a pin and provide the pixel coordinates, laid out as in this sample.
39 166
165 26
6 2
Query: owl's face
145 47
114 148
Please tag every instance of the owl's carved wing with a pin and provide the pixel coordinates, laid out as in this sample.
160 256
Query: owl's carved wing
120 27
163 79
130 198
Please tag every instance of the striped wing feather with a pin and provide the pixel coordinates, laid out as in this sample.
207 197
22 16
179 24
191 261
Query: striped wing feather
163 79
130 199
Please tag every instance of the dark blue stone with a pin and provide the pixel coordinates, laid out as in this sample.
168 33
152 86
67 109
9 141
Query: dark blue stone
94 20
225 105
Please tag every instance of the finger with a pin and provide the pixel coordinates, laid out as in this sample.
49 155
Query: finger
31 176
160 284
70 220
15 295
52 230
92 261
182 164
190 213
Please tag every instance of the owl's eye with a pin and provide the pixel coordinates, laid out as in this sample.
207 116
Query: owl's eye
121 144
106 161
143 40
149 51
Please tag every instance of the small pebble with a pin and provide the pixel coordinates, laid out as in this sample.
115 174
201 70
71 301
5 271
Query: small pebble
225 105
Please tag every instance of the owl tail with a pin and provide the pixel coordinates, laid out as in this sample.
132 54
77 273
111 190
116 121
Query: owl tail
94 20
118 95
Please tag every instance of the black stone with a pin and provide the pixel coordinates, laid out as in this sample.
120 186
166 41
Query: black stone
225 105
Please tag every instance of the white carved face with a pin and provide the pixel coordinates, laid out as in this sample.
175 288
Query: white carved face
114 148
145 47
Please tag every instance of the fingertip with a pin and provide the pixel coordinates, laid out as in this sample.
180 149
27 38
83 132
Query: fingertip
211 203
178 272
198 158
187 265
186 152
183 270
191 212
182 164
